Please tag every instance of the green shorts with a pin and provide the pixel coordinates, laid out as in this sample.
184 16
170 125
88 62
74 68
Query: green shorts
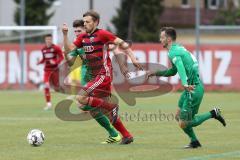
189 102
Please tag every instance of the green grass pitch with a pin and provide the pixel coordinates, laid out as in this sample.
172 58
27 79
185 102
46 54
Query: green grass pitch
156 137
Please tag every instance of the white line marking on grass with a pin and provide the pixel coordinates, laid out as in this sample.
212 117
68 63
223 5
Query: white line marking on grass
25 119
235 154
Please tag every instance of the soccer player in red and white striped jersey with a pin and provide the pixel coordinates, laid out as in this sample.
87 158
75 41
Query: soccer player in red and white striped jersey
95 41
51 57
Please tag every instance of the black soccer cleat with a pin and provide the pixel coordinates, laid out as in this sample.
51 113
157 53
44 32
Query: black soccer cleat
127 140
216 113
193 145
114 114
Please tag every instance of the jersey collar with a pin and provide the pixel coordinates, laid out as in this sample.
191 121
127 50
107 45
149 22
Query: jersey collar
173 44
50 46
93 32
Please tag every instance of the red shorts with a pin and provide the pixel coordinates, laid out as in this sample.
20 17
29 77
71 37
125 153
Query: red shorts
51 77
99 87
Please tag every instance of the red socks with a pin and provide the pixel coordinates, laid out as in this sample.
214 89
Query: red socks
47 94
121 128
98 102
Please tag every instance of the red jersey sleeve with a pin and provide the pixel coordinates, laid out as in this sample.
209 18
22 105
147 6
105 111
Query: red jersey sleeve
59 54
42 60
107 36
78 41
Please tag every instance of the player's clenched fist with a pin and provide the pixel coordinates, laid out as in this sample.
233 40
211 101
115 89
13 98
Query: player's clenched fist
65 29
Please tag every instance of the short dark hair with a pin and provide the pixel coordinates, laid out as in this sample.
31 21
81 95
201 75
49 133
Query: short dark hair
47 35
95 16
78 23
170 32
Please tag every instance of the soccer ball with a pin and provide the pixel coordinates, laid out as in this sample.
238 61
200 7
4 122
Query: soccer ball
35 137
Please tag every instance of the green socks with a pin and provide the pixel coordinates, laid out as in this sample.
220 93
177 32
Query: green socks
103 121
199 119
189 131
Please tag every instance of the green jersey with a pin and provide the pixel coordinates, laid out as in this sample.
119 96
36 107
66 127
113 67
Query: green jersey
184 63
77 52
85 71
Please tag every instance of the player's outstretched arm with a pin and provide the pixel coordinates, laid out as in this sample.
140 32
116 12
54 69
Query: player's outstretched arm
126 49
167 73
150 74
163 73
120 57
60 57
42 60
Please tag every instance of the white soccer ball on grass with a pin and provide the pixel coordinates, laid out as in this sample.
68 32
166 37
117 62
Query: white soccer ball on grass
35 137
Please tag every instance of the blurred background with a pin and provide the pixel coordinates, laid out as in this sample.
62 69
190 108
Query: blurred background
209 29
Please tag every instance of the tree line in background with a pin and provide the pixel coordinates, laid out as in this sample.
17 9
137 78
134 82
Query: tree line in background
136 20
230 16
36 12
141 17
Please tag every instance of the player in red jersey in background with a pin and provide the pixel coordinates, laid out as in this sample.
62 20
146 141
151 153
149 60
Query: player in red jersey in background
95 43
51 57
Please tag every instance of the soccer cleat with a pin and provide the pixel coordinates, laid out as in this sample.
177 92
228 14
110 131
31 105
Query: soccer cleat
111 140
216 113
193 144
127 140
48 106
114 114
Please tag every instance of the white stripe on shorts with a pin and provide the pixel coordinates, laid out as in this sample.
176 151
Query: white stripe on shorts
90 89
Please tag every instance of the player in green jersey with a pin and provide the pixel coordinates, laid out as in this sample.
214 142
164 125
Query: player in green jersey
186 65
